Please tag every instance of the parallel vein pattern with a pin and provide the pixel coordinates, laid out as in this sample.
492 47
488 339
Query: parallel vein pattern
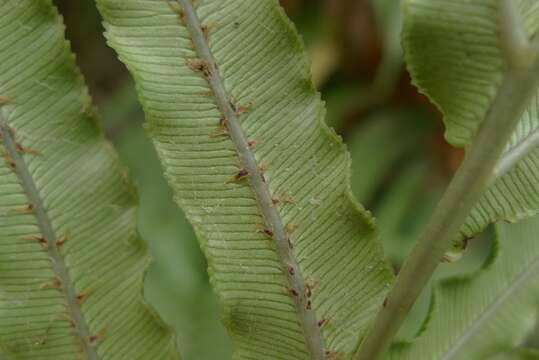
49 240
263 73
71 262
455 57
272 219
489 313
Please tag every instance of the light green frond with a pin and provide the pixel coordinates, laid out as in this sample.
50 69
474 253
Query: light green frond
227 95
454 54
71 262
480 316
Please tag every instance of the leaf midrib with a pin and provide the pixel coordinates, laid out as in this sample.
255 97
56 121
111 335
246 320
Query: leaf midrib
48 233
517 153
491 310
306 315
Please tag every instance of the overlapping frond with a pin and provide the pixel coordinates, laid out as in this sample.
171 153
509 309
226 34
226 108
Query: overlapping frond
71 262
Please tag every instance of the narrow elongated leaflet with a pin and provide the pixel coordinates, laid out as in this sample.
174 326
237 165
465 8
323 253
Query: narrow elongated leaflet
239 128
71 262
48 239
273 222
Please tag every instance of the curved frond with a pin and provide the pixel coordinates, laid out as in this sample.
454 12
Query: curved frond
454 54
71 262
239 128
487 313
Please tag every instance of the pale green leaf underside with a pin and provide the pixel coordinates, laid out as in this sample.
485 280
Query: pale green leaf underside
262 64
454 55
489 313
84 195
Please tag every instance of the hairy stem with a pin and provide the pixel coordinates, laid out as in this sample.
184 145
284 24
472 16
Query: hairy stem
50 238
274 223
471 180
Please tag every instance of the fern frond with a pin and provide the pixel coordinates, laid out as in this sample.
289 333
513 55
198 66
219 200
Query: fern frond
482 315
71 262
455 55
239 128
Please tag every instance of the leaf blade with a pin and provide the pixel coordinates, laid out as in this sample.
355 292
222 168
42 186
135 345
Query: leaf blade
75 251
455 57
483 314
262 64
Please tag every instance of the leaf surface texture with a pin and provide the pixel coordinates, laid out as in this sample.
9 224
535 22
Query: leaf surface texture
493 311
71 262
454 54
264 74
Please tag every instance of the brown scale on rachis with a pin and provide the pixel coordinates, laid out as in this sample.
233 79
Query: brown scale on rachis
26 150
289 231
290 243
222 128
62 240
332 355
322 323
262 169
207 29
293 292
266 231
94 339
10 161
240 109
309 287
56 283
243 109
28 209
201 66
178 10
240 176
81 298
291 270
37 238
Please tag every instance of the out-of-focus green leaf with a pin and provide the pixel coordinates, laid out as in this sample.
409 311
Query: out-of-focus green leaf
381 145
389 19
454 55
340 100
400 218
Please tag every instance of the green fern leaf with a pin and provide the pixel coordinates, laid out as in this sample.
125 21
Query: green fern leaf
454 54
479 316
71 262
227 92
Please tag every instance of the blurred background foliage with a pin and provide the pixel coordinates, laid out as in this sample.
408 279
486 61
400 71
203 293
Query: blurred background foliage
401 162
